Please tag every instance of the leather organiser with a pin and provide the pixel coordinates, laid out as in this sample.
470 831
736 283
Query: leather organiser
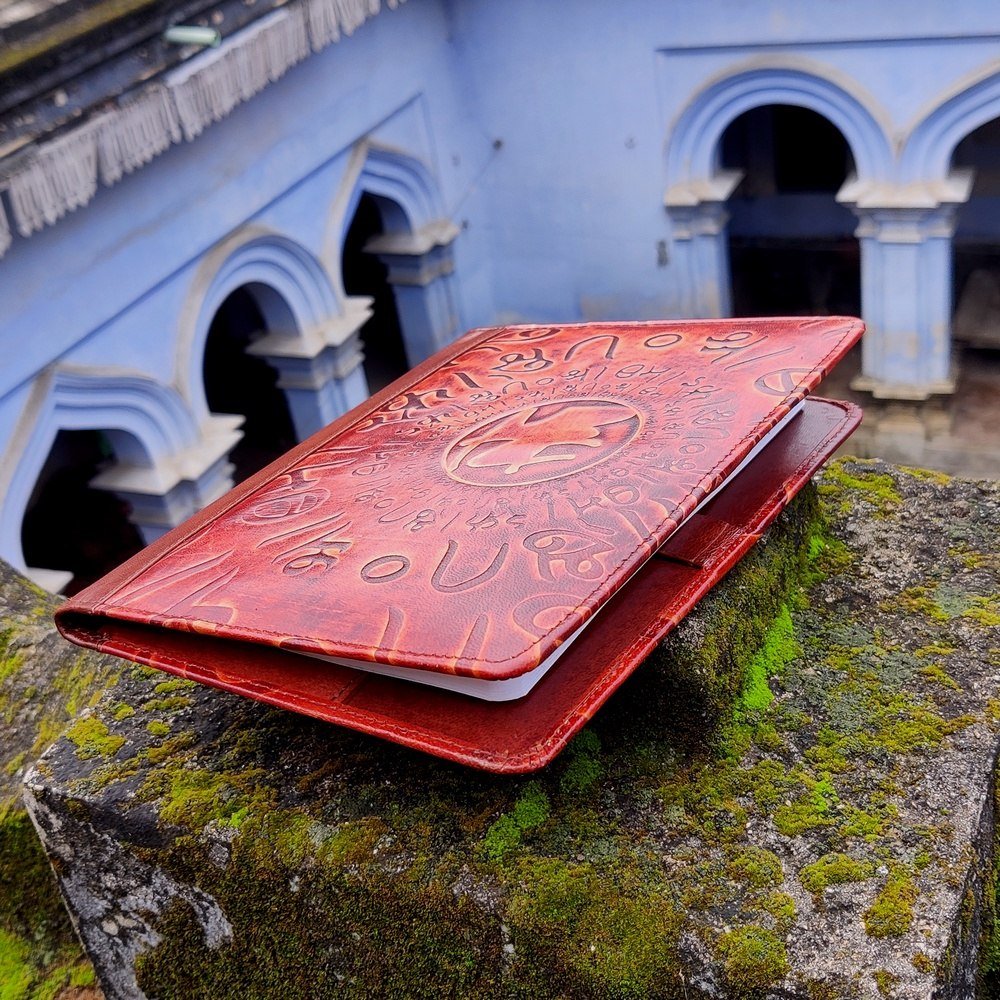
470 518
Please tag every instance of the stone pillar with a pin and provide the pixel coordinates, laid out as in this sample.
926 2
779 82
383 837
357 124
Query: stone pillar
698 215
166 494
420 267
320 369
906 284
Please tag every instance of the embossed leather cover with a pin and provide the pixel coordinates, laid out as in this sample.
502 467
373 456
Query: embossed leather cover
470 517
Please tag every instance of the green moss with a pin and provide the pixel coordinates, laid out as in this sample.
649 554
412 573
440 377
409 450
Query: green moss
885 982
934 649
752 958
16 973
173 747
530 811
39 954
781 907
876 489
935 672
193 797
157 728
922 963
756 868
891 915
869 825
16 763
585 767
169 704
920 600
9 665
929 475
834 869
122 711
92 738
173 685
810 811
551 893
984 611
778 650
625 946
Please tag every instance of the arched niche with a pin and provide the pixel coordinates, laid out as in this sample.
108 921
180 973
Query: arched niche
415 244
165 464
72 533
310 338
791 245
698 186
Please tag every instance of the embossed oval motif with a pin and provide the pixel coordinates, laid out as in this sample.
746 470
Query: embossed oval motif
537 443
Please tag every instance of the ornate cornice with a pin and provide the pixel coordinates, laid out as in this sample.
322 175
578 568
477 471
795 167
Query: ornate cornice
52 177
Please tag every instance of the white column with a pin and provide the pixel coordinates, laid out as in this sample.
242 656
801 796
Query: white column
905 235
698 217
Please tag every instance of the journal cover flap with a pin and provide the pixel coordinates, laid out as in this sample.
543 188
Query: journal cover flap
472 518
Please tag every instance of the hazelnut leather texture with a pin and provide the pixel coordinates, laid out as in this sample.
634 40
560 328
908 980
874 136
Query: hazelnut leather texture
472 516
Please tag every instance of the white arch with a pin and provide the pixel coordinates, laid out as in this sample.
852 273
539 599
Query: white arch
692 153
148 422
973 101
293 290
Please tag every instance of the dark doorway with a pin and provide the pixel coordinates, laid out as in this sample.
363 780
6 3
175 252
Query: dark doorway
976 243
237 382
792 249
365 274
70 526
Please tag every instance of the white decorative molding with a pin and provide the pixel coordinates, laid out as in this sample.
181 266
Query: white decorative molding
57 176
140 130
206 90
312 341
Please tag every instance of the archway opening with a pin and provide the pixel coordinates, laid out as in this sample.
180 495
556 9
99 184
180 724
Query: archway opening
240 383
364 274
976 243
792 249
68 525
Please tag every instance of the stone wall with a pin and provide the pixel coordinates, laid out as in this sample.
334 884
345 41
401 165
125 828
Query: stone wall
45 683
793 798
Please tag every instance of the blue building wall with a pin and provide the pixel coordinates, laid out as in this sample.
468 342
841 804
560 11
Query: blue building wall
565 156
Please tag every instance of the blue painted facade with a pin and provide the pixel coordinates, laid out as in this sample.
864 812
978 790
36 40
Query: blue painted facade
532 161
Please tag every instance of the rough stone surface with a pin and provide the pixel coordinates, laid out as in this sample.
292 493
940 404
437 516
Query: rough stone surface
44 683
793 798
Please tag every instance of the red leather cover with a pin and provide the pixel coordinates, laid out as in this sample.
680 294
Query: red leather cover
471 517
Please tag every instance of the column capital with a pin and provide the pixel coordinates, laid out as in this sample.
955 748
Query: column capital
334 332
906 213
697 208
418 257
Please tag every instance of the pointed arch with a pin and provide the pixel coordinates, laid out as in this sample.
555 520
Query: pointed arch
415 244
405 189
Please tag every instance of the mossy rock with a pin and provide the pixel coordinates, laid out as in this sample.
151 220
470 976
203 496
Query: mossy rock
784 770
44 684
